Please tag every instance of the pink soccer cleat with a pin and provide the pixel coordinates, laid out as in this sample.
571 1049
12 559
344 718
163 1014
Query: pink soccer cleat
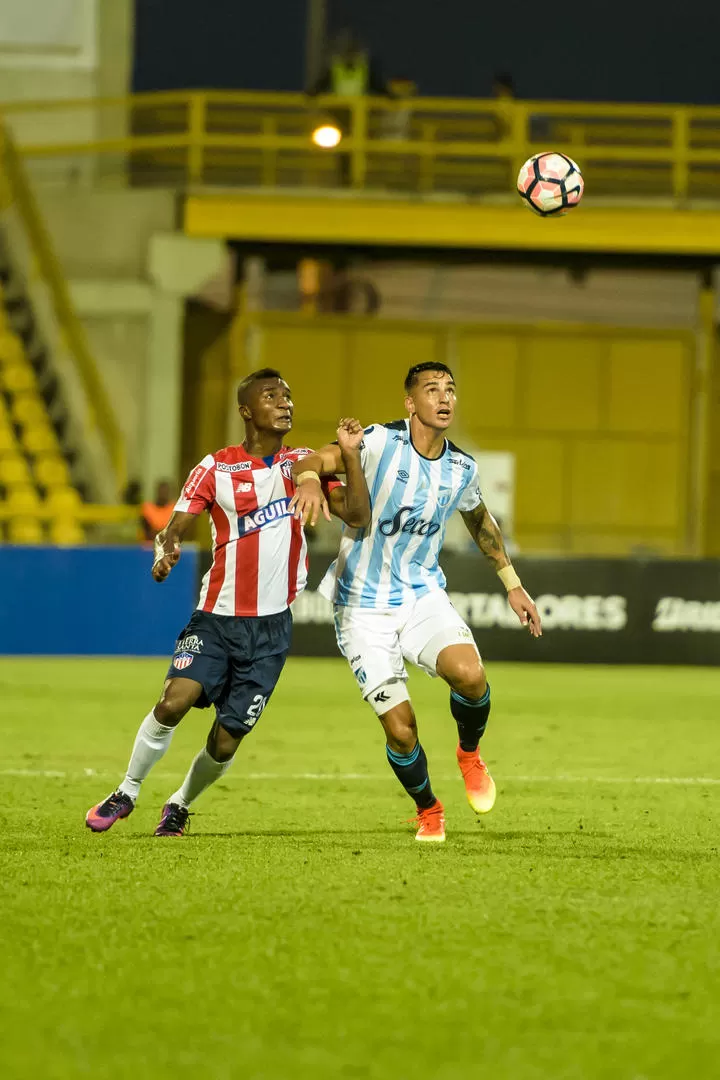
102 817
174 820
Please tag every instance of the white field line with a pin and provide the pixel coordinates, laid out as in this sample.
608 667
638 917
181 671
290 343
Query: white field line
561 778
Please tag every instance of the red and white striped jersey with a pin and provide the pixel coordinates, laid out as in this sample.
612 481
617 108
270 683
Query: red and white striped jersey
259 551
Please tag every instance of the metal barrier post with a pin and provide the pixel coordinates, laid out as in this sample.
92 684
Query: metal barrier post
196 147
680 143
359 113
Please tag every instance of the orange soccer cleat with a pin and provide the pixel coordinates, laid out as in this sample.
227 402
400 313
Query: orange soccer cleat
431 824
479 784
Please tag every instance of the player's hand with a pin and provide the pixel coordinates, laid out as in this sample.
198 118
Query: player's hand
167 553
308 502
524 607
350 434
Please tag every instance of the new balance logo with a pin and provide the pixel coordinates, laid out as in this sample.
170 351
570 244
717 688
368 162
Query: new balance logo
382 696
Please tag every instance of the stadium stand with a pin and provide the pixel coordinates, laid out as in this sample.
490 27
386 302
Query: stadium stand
35 477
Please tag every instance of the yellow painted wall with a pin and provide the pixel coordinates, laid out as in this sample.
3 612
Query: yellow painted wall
598 418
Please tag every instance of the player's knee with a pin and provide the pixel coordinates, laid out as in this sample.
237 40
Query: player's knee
221 745
400 729
468 679
176 700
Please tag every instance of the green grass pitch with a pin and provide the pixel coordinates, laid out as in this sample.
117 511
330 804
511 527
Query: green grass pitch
300 932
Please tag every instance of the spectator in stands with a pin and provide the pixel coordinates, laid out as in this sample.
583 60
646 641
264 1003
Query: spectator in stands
350 71
132 495
396 122
155 515
503 89
503 85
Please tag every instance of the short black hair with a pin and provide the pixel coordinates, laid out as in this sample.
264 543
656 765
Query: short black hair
253 377
429 365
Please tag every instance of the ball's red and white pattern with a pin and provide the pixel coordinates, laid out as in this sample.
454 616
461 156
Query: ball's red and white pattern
550 184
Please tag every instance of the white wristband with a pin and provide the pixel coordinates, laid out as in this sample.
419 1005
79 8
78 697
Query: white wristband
509 578
309 474
160 552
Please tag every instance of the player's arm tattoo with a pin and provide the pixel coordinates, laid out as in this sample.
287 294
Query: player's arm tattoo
485 531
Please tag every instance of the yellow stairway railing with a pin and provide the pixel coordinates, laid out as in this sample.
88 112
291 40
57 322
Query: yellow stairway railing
101 412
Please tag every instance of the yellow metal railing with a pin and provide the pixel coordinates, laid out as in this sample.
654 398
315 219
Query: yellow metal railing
425 145
101 413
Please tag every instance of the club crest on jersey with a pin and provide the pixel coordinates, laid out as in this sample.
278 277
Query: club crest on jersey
265 516
408 524
286 469
183 660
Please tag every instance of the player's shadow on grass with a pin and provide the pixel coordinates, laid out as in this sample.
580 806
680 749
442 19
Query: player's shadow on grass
289 834
572 844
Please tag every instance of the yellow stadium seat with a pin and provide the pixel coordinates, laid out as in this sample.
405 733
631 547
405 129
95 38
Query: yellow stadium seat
66 531
64 501
22 501
18 378
22 530
14 471
40 440
8 442
11 348
29 408
52 471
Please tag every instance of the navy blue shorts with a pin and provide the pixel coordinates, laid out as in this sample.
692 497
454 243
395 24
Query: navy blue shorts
236 660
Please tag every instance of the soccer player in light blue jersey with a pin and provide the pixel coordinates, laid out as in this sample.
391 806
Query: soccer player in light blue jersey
388 589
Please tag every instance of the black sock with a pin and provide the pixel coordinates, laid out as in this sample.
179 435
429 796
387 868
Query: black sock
471 718
412 772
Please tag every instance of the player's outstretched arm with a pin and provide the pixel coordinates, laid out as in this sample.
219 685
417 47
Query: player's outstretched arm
309 501
351 503
167 544
485 531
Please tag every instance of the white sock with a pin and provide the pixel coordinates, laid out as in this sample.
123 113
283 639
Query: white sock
151 742
203 772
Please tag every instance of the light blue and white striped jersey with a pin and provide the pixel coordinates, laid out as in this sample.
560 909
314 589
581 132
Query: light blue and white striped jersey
395 558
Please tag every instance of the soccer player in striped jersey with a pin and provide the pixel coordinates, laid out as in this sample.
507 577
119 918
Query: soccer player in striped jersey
388 589
233 649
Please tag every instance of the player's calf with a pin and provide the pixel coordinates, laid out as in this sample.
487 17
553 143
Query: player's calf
462 669
405 755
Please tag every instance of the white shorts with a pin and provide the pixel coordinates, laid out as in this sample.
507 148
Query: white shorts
377 643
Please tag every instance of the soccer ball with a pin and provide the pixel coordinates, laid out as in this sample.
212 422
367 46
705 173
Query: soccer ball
550 184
